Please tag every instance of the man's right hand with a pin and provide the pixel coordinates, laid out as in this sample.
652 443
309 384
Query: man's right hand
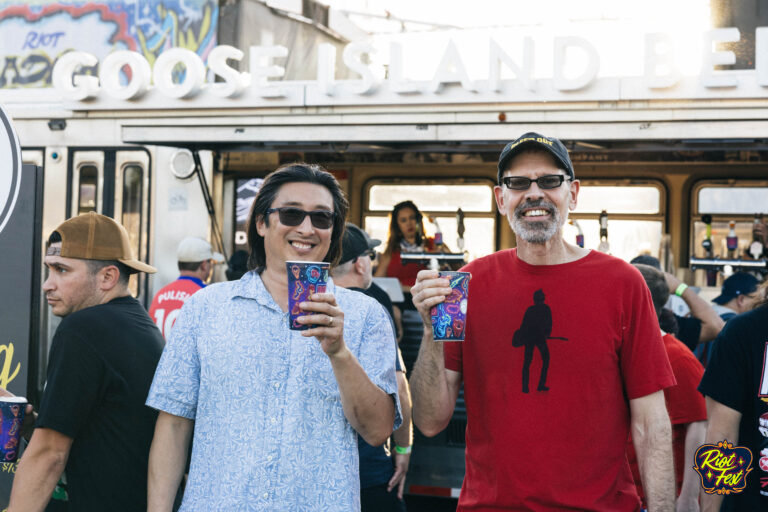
429 291
29 416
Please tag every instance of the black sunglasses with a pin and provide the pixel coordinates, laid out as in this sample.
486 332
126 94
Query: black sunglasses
370 253
546 182
292 216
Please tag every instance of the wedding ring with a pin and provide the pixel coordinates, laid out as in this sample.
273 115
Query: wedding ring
330 321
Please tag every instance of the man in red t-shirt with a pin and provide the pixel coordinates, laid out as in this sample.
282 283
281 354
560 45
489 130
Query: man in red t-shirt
685 405
196 259
594 358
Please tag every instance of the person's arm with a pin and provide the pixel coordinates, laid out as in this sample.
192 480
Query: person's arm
39 470
434 388
381 268
367 407
723 424
397 317
688 501
711 323
652 437
167 460
403 437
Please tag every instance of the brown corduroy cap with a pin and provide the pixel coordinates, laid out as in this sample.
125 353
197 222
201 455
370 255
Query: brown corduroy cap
91 236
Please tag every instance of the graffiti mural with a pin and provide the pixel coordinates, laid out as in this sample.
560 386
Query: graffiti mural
34 34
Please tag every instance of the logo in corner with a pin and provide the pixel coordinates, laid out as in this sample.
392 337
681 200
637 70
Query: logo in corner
10 159
723 468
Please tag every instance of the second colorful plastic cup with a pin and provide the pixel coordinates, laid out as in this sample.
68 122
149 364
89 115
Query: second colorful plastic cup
449 318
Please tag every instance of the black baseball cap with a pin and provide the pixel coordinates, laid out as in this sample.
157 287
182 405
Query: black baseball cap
535 140
355 242
739 283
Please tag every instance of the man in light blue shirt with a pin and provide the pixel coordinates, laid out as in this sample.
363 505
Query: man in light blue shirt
274 411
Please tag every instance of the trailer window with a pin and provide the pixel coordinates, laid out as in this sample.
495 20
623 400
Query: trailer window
87 189
727 201
133 177
635 216
440 201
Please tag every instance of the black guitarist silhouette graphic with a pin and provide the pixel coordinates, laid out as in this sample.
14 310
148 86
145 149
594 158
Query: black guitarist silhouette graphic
534 333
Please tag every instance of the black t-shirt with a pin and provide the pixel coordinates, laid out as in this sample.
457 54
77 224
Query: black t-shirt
688 331
102 362
377 292
737 376
375 463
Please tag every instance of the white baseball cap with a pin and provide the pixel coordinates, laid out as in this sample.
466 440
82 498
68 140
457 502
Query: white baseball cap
193 249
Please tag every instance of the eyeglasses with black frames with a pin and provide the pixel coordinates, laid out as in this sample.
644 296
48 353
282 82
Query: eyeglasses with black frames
292 216
546 182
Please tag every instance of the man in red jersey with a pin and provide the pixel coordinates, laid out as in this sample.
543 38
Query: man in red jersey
685 405
561 445
196 259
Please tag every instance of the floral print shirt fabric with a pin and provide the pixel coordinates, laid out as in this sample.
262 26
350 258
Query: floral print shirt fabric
270 432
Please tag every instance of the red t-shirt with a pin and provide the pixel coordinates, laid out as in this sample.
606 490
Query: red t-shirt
563 447
685 405
167 303
405 272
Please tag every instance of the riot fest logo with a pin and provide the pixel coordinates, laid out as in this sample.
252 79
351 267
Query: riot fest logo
723 468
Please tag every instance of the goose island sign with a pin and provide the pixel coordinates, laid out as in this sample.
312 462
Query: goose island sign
507 79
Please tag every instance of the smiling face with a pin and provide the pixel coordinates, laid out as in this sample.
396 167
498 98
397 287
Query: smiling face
70 285
536 215
304 242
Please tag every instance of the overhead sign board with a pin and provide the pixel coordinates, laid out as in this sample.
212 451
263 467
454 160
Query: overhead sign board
573 74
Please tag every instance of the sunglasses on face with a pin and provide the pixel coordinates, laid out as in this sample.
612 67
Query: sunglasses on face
291 216
546 182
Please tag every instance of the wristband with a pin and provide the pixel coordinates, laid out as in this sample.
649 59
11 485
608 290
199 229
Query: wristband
402 450
681 289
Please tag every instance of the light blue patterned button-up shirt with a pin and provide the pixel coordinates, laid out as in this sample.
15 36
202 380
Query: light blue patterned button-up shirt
270 433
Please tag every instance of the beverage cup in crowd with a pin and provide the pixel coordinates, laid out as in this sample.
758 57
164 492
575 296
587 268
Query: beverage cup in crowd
449 318
304 279
12 408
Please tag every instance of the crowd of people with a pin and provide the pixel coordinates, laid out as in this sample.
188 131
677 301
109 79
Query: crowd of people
210 401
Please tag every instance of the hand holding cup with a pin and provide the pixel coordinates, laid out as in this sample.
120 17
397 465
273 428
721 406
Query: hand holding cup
430 289
324 320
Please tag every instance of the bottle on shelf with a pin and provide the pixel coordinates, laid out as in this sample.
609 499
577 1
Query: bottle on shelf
460 229
732 241
579 232
708 248
756 248
438 233
604 246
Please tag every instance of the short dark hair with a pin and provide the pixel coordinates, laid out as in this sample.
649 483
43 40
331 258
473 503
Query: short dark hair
657 284
189 265
295 173
95 265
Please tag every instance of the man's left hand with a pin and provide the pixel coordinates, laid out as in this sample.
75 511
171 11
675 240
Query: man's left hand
328 322
401 469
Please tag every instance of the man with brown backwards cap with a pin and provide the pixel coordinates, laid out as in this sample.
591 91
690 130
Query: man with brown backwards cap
561 445
92 419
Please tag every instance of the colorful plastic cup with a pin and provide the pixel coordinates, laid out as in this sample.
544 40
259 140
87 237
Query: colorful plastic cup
449 318
12 408
304 279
